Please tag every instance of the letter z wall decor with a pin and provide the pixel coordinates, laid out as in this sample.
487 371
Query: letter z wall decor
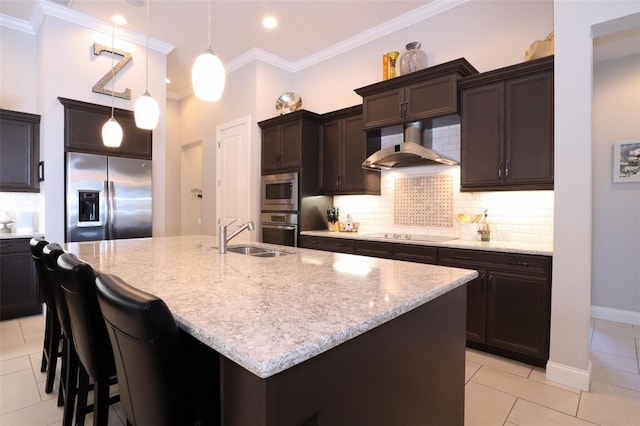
99 86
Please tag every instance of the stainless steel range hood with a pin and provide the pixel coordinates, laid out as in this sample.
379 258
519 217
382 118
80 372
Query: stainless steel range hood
410 153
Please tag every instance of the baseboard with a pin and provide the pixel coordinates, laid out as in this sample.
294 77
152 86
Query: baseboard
617 315
569 376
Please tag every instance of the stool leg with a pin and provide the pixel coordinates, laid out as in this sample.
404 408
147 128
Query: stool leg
70 384
83 390
101 402
45 344
52 356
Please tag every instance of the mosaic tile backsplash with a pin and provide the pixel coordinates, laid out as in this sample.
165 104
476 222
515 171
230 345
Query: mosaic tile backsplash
423 201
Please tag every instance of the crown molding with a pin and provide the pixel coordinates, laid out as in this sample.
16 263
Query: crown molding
415 16
21 25
65 14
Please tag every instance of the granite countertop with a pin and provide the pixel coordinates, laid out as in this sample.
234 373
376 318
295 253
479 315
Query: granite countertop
268 314
11 235
543 249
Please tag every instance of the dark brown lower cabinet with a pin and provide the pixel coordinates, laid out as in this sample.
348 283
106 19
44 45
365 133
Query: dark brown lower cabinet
338 245
19 295
509 304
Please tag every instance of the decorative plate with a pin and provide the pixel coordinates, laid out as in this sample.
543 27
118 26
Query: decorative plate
288 102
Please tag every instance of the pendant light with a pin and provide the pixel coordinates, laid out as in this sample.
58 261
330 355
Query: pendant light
146 111
111 130
207 73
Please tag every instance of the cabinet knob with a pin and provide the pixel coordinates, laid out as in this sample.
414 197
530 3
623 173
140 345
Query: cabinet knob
516 263
500 170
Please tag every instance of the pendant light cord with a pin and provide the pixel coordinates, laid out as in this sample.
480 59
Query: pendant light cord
113 81
209 29
146 83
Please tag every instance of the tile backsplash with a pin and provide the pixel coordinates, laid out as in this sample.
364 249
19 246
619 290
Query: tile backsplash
19 204
525 216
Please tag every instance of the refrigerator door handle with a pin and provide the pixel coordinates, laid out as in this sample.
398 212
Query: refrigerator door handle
112 195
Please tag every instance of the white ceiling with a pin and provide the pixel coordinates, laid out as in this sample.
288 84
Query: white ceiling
306 27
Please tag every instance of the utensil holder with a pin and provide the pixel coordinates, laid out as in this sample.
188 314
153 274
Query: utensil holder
468 231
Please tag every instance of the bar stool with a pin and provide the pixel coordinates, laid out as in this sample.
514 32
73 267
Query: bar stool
52 332
90 338
70 362
153 371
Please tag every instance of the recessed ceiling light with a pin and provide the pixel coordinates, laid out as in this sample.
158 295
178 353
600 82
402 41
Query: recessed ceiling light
269 22
167 80
119 20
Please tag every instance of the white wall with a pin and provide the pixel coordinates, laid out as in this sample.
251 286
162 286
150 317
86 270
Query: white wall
574 22
616 206
18 71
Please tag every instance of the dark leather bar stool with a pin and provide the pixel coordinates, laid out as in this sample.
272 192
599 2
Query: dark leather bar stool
153 371
70 362
90 337
52 332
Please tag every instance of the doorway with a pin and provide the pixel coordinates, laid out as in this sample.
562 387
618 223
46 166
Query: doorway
191 189
233 171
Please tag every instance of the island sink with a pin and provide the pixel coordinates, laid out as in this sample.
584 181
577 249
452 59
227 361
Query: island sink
256 251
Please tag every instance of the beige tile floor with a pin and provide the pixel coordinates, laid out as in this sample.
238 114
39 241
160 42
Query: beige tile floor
498 391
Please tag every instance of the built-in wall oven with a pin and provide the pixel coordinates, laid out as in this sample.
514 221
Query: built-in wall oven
280 208
280 228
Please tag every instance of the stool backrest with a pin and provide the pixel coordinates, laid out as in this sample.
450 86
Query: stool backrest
37 244
148 354
90 337
50 254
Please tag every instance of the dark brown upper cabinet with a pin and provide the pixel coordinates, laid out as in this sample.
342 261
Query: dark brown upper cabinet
19 152
507 128
290 141
344 148
83 123
428 93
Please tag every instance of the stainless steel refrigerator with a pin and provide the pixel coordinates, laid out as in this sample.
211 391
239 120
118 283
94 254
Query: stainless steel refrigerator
107 197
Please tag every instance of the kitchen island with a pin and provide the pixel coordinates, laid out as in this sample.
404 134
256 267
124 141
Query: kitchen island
311 337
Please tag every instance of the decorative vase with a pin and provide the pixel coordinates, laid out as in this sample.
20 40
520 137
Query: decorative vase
413 59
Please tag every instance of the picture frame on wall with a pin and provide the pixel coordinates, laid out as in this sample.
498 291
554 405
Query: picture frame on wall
626 161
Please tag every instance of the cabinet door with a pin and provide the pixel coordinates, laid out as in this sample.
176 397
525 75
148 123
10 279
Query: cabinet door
20 147
433 98
291 155
331 157
482 136
415 253
384 108
271 147
354 151
18 282
518 312
529 130
477 308
374 249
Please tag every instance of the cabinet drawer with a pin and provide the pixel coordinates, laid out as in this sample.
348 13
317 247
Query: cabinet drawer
374 249
338 245
474 259
414 253
15 245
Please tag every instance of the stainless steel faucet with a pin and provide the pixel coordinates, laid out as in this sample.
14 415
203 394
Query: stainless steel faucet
224 239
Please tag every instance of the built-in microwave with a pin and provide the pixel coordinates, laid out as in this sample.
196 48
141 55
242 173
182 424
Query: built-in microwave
280 192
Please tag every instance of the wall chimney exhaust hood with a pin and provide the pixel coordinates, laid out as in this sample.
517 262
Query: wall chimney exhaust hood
414 151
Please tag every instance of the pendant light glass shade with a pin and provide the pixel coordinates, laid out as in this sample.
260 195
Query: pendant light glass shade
111 133
208 77
146 112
